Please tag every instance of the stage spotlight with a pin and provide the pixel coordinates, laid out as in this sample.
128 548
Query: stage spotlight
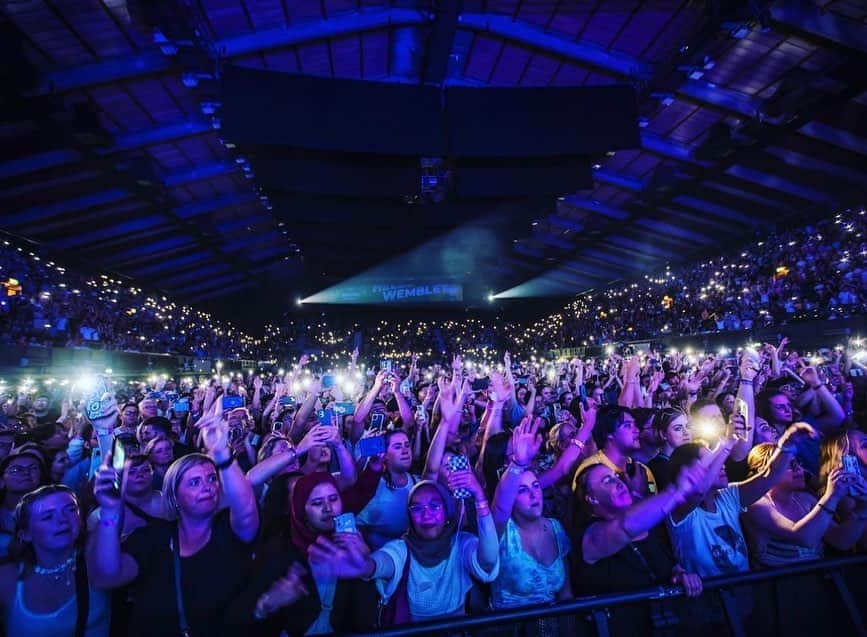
299 301
491 297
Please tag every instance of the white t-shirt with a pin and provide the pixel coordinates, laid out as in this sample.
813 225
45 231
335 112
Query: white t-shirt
712 543
438 591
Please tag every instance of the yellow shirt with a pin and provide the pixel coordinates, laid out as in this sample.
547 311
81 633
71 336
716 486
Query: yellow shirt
600 458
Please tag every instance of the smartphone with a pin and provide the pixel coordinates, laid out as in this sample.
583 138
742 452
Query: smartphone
523 380
742 409
555 408
327 381
154 395
459 463
235 434
232 402
171 396
480 384
254 440
326 417
852 465
377 421
420 414
286 400
385 365
277 426
180 407
371 446
345 523
345 408
118 460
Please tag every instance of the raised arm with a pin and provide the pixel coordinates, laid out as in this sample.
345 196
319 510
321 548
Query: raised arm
809 530
450 415
526 441
263 471
237 490
831 414
569 458
406 415
787 446
107 565
488 550
607 537
362 411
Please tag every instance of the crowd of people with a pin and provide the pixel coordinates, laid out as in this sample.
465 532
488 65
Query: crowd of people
357 498
815 272
44 303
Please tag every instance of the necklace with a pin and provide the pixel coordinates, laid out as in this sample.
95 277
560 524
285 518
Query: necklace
59 571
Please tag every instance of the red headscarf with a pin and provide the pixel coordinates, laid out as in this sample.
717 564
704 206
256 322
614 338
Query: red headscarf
302 535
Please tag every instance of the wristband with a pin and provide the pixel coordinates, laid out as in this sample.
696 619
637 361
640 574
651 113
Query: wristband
222 466
744 381
791 449
482 505
578 443
516 469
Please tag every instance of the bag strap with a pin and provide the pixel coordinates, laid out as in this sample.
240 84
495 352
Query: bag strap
176 554
82 596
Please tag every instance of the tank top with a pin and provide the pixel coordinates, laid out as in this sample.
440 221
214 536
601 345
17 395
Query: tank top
59 623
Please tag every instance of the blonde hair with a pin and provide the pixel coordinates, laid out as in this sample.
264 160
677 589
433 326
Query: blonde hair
760 457
831 453
149 447
176 471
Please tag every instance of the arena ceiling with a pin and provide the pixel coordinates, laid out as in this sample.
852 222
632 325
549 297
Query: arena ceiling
753 115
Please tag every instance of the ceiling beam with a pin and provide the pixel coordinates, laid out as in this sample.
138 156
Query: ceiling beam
808 18
536 37
152 61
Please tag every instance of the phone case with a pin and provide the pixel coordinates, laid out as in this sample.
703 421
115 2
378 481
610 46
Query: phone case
458 463
345 523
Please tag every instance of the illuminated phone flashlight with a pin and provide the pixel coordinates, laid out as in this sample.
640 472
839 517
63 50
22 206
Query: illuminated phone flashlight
707 429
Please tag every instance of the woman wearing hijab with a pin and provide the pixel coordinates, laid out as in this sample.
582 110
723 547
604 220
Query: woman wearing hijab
428 572
292 595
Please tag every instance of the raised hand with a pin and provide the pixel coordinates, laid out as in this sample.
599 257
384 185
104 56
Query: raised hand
104 491
526 441
811 377
749 364
457 363
838 483
215 435
289 589
317 436
465 478
257 383
302 362
693 479
501 388
346 560
796 433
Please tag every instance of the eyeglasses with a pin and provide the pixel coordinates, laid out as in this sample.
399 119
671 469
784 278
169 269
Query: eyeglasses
28 468
419 509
